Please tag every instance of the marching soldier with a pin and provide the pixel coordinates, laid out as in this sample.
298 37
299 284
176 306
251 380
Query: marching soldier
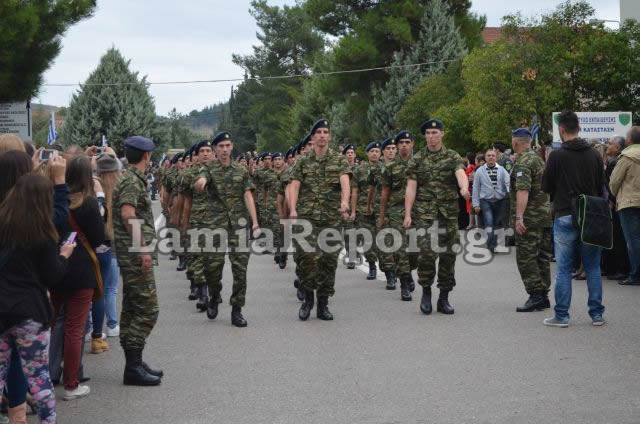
394 183
374 179
434 177
272 185
139 314
320 194
531 218
232 205
349 152
366 218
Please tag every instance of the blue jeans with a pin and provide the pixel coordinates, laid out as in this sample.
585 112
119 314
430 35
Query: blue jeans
111 293
630 221
567 244
492 212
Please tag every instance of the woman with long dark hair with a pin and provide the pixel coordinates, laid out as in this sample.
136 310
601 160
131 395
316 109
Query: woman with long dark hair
30 261
80 281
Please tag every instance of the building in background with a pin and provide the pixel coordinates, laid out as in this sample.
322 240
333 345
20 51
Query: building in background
629 9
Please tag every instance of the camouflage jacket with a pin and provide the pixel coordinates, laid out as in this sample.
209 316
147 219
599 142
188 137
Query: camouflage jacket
170 180
131 189
200 203
320 191
226 186
394 175
271 183
361 182
506 163
374 178
527 176
437 186
285 179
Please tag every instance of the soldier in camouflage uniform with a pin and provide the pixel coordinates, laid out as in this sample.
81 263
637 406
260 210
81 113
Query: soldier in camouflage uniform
272 187
349 152
139 299
230 188
366 218
394 183
531 218
320 193
434 177
387 263
169 183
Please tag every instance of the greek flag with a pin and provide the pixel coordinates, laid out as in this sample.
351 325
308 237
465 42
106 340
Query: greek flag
53 135
535 131
105 142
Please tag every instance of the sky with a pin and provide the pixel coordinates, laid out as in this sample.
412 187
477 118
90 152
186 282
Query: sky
194 40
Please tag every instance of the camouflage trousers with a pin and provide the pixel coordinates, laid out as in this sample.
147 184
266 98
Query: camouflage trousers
368 222
275 226
213 264
139 305
401 258
386 259
317 268
533 254
447 259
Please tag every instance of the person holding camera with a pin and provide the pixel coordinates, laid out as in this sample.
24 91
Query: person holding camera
30 262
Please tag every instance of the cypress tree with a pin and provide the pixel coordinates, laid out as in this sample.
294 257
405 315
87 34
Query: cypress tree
117 111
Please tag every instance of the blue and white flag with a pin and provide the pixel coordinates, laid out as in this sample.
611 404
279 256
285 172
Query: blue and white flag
53 135
105 142
535 131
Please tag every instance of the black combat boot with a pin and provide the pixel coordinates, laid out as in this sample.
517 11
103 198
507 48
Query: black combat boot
182 264
173 256
391 280
307 306
412 284
373 271
134 372
212 307
300 294
546 304
193 295
425 303
296 283
236 317
218 298
443 303
534 303
203 299
283 260
323 309
405 293
351 265
148 369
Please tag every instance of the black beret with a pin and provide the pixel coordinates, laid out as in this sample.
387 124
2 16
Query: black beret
203 143
372 145
185 154
348 147
321 123
433 124
288 153
404 135
176 157
266 155
276 155
298 148
388 142
521 132
139 143
220 137
305 140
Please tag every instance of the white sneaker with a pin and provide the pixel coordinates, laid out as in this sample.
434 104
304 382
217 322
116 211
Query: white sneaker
113 332
79 392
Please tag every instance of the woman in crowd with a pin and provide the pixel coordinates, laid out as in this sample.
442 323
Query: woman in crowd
107 168
80 281
10 142
30 261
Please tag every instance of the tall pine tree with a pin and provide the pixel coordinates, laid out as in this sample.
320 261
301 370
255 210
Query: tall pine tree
117 111
439 41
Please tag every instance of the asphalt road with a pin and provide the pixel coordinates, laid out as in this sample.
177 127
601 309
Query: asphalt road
379 361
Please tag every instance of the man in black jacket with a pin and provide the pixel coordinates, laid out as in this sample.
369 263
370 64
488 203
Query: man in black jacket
574 169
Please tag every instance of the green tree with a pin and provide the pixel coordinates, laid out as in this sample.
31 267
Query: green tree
31 39
439 41
117 111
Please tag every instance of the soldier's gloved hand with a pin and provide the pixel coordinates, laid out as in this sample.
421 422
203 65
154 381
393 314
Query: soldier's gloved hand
200 184
147 263
407 222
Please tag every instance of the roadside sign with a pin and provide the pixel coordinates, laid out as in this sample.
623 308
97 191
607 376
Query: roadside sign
15 118
599 126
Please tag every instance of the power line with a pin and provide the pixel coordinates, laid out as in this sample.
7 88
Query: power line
276 77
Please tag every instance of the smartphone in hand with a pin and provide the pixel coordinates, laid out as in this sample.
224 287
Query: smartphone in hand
47 154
